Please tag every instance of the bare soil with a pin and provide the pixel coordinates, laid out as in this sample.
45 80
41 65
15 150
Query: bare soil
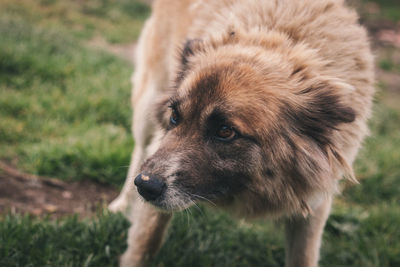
41 196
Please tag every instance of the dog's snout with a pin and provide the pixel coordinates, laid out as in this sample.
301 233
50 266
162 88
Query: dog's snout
149 186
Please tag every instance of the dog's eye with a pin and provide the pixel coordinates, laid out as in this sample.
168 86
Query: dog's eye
174 117
225 133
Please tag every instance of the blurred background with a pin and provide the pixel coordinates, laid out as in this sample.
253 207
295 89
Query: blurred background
65 146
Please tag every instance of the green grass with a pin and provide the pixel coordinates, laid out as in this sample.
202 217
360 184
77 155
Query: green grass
389 60
362 236
26 241
65 112
117 21
65 109
378 162
354 236
389 64
388 9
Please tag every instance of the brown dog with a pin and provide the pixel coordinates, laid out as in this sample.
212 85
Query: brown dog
262 112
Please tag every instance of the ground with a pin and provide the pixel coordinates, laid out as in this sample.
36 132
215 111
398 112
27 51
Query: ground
65 145
28 194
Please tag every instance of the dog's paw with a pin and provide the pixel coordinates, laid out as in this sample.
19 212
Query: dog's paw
120 204
130 259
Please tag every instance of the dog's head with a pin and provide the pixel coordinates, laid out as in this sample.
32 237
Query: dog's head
247 126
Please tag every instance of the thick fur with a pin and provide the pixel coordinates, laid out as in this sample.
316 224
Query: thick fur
293 80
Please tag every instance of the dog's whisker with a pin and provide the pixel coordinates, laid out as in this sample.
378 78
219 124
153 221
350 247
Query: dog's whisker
195 204
190 214
204 198
124 166
187 217
200 210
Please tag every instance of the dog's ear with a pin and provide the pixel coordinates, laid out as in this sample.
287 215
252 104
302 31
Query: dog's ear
318 110
336 158
190 47
161 113
317 113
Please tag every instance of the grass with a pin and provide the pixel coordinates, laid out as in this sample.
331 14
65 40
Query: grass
388 9
354 236
377 165
65 112
389 64
26 241
389 60
65 109
118 21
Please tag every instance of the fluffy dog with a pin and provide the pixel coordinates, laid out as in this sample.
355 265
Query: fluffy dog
262 111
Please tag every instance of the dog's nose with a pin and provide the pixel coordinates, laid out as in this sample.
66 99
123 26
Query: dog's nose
150 187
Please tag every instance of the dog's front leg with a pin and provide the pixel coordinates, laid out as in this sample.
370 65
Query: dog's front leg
145 235
123 203
303 236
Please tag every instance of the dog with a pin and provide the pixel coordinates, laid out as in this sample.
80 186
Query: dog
259 106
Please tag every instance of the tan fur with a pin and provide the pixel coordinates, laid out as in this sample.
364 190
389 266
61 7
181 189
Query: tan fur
278 63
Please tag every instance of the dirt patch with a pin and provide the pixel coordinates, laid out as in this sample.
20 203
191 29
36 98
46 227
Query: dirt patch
41 196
